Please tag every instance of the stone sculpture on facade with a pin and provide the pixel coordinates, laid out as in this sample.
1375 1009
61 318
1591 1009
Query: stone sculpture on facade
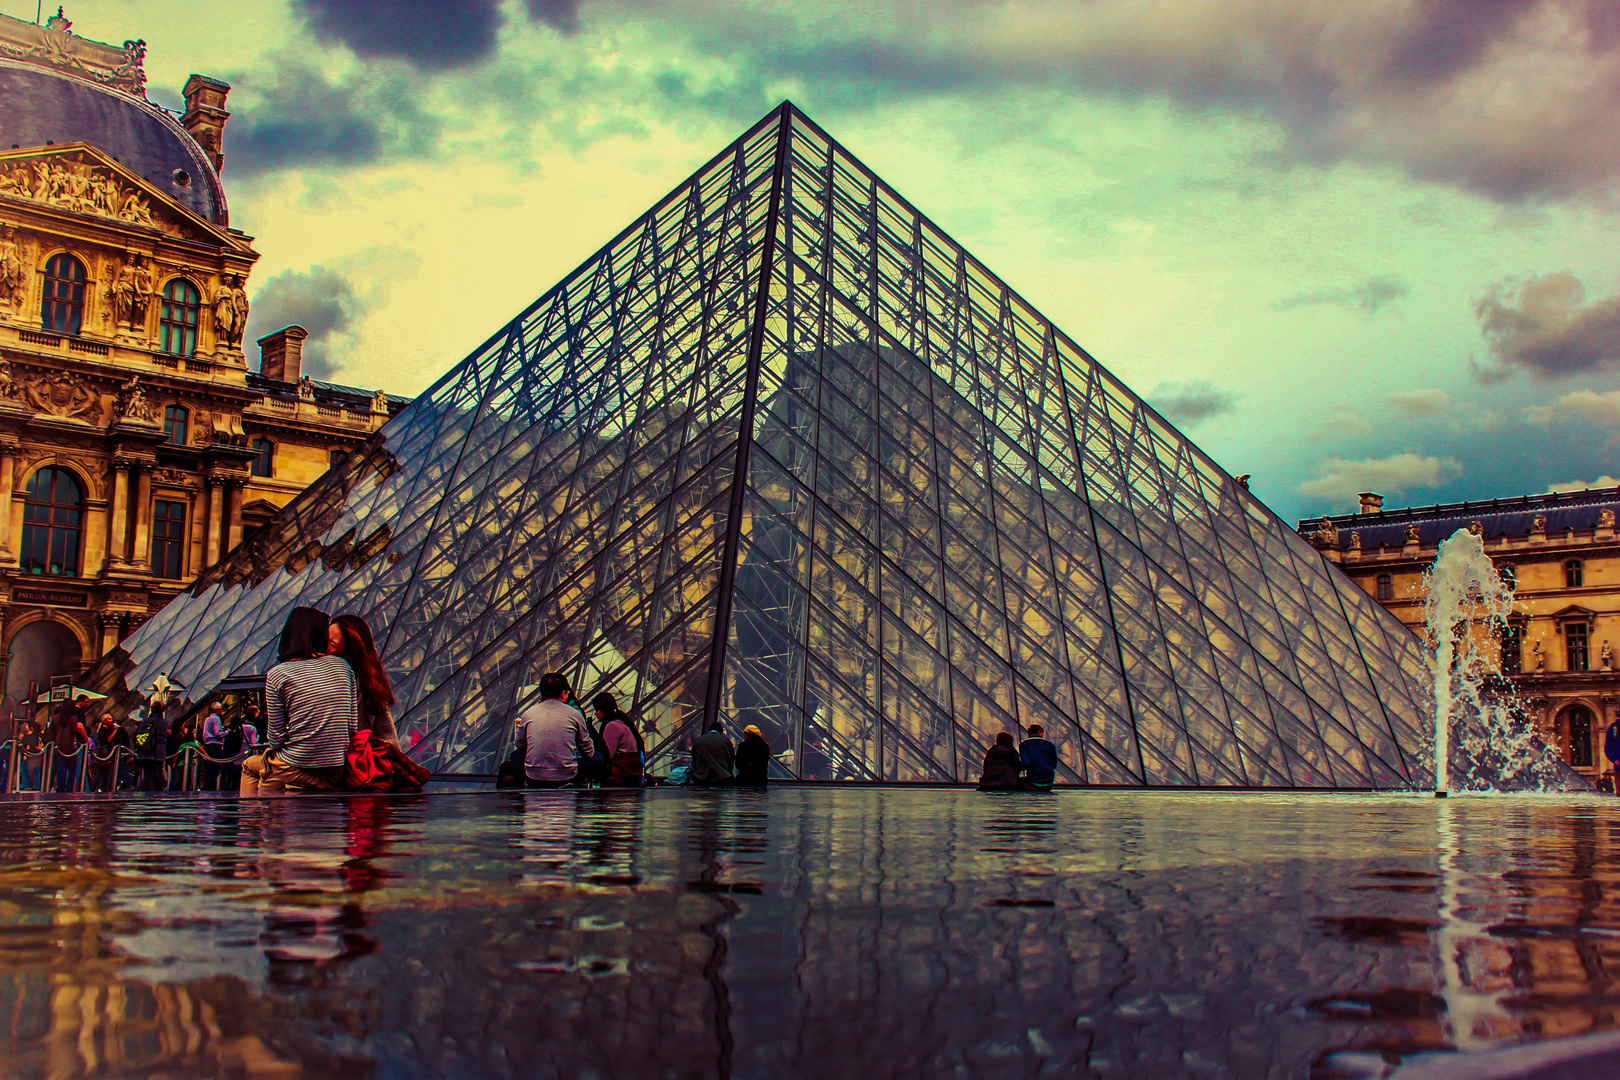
1606 519
1607 656
1326 534
1539 523
1411 534
306 389
231 312
69 183
11 268
9 390
62 393
131 291
131 403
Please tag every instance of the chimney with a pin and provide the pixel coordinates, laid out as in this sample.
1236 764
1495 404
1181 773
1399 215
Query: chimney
1370 503
281 354
205 116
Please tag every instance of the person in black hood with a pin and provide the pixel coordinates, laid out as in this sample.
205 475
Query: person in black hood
1001 766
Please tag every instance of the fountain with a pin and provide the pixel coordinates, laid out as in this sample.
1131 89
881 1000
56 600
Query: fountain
1499 750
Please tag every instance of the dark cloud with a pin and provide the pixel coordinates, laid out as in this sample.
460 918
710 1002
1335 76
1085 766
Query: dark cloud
1369 295
1513 99
293 117
560 15
1447 37
1191 403
322 301
1545 327
435 35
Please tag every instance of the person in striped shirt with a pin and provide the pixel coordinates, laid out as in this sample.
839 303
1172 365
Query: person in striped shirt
311 712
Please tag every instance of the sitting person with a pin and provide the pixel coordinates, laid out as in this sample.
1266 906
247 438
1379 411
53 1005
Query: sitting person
753 758
622 746
714 762
552 736
1000 765
1039 760
312 708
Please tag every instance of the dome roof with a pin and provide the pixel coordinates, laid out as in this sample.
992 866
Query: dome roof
46 107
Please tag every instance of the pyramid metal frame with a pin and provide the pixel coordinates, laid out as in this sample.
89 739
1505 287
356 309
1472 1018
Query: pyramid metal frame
783 453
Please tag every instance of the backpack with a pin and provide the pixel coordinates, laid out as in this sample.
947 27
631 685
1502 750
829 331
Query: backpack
145 739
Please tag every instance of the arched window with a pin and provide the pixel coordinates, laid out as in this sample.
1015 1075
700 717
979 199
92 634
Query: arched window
264 457
62 306
177 323
175 422
1579 721
52 519
1572 573
1386 587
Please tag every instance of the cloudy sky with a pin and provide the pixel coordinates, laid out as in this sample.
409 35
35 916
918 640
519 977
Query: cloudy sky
1341 245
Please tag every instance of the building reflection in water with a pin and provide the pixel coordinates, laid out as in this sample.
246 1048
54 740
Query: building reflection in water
699 934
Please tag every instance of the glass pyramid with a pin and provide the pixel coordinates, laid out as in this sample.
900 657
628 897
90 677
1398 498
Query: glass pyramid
784 454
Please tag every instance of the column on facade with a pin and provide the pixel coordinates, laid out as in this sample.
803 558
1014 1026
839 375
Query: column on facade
118 524
235 504
8 472
141 556
214 506
109 633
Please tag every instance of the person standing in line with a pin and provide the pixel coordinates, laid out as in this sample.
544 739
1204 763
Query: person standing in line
240 739
621 744
151 738
1000 765
753 758
351 639
213 744
1611 750
29 747
67 734
255 720
714 762
312 707
1038 758
552 736
110 736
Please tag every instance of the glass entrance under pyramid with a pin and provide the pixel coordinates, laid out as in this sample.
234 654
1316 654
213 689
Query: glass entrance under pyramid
783 454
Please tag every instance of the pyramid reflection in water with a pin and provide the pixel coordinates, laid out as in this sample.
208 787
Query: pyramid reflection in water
783 453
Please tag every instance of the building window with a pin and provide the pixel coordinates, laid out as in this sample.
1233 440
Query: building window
264 456
168 537
51 524
338 457
1386 587
1580 735
177 324
175 422
1572 573
1512 649
1575 644
62 306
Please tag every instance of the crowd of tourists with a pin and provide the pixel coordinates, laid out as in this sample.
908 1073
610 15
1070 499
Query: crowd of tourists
327 725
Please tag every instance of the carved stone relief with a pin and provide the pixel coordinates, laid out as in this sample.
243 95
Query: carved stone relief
131 291
68 182
62 393
12 272
131 403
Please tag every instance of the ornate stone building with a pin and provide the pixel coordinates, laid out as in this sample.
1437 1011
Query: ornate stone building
1563 556
136 446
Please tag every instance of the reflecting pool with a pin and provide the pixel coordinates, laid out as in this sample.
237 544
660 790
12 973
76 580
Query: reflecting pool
801 932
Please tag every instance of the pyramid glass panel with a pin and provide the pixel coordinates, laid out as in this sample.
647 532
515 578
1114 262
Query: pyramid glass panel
782 453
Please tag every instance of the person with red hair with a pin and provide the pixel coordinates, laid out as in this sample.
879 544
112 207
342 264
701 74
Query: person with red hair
351 639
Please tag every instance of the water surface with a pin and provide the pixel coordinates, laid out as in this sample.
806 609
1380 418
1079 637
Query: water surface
801 932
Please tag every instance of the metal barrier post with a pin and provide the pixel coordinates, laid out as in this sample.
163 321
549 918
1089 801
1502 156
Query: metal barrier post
8 782
83 754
